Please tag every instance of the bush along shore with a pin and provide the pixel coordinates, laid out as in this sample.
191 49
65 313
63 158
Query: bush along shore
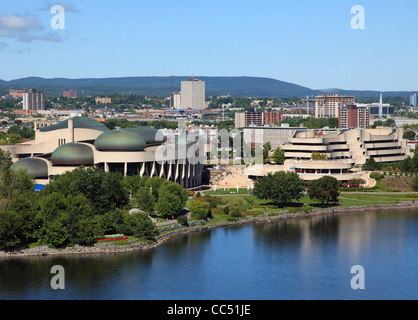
197 226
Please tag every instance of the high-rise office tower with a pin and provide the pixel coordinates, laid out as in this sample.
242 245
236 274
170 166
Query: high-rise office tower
193 93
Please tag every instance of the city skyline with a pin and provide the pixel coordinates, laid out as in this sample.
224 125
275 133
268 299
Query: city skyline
309 44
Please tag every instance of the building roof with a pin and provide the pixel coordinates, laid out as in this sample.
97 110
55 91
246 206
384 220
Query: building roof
149 134
79 123
120 140
36 168
73 154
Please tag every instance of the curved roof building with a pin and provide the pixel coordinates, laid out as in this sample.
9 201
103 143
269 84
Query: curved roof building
84 141
77 123
73 154
120 140
36 168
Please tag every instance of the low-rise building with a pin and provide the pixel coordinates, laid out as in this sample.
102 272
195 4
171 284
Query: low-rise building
277 136
356 145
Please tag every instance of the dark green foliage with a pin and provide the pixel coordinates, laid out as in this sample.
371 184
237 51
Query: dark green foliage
103 190
183 220
144 227
279 156
409 135
376 175
168 205
200 210
281 187
146 201
80 206
372 165
325 189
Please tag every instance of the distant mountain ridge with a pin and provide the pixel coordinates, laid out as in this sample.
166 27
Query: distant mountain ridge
162 86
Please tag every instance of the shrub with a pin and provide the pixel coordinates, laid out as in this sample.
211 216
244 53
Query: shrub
183 220
236 214
200 210
237 204
226 210
217 211
376 176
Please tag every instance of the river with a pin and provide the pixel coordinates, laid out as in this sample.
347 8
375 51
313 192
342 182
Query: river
307 258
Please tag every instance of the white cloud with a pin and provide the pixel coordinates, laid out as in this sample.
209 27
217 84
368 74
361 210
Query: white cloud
25 29
14 25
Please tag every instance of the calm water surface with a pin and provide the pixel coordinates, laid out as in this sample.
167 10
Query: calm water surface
310 258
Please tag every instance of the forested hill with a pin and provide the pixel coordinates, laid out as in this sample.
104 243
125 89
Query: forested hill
162 86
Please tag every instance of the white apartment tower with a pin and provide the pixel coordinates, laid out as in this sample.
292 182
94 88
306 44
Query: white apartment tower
193 94
33 100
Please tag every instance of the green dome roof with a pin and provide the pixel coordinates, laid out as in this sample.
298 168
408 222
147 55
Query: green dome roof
73 154
120 140
149 134
36 168
79 123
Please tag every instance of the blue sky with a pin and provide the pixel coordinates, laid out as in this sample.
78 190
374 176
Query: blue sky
310 43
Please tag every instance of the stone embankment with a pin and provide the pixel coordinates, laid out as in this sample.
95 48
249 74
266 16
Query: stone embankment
172 231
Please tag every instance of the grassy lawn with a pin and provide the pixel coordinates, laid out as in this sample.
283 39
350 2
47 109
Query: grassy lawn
347 200
370 199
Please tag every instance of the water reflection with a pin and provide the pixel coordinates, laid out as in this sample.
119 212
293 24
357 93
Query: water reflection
308 258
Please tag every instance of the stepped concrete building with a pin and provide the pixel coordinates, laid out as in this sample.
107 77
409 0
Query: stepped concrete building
353 145
84 141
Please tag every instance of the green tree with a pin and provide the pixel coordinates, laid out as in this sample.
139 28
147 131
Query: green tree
183 220
325 189
144 228
199 210
409 135
371 165
279 156
280 187
14 138
11 230
104 190
168 205
266 152
146 201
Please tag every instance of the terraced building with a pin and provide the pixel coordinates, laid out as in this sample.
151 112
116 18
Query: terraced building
351 145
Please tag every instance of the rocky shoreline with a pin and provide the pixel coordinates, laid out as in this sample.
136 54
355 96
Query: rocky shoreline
175 231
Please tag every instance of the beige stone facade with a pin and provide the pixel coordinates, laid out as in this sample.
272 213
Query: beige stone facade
355 145
176 162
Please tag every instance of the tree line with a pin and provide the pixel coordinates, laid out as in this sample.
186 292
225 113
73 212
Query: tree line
284 187
81 206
